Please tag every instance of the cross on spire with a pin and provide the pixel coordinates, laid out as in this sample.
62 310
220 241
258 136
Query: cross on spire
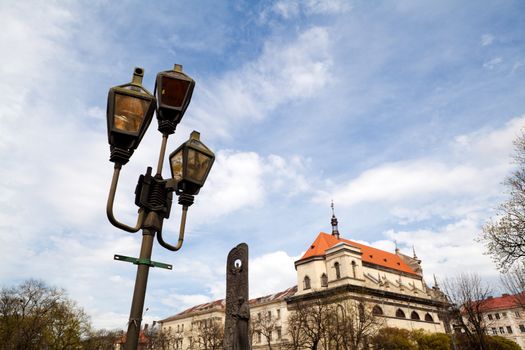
335 230
414 251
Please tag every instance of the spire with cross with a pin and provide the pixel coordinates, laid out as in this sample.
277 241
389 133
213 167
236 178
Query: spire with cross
335 230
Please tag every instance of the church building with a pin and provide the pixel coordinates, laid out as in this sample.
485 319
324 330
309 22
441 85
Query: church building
333 268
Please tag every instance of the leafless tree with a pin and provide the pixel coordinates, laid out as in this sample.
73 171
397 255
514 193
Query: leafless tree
514 282
333 323
295 338
101 339
207 334
266 325
468 297
355 324
159 338
311 320
503 235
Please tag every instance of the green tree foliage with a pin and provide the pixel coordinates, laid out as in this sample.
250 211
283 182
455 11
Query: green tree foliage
36 316
430 341
503 234
500 343
492 342
403 339
394 339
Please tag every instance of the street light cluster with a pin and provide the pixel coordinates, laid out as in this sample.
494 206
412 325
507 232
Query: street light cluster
130 110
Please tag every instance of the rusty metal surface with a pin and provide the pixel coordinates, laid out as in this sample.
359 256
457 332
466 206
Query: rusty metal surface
236 326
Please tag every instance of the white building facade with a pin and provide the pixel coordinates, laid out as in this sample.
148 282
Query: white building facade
504 316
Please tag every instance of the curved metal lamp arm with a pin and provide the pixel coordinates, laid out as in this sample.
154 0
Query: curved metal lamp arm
181 233
111 199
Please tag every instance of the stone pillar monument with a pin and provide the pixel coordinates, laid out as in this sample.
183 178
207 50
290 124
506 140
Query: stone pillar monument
236 325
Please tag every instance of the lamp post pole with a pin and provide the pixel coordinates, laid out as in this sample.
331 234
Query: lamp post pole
130 109
139 293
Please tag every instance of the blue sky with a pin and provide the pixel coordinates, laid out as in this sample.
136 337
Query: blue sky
402 112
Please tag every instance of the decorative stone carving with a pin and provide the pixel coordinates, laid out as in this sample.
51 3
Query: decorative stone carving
236 325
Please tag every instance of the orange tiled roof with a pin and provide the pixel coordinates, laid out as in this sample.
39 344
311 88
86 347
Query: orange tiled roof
370 255
505 301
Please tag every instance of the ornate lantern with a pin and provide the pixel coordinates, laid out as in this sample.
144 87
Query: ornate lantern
173 89
190 165
129 113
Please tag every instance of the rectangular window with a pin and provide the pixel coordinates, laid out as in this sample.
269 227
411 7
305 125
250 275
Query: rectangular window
279 335
522 328
270 335
258 336
270 314
517 313
504 314
497 316
509 330
259 316
494 331
501 330
278 313
489 316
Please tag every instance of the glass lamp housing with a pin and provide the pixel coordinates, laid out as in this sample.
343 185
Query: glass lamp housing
173 90
190 164
129 112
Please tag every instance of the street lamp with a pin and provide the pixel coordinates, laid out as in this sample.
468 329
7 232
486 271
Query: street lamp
174 89
129 113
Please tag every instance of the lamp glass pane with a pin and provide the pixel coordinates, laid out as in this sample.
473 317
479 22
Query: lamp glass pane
129 112
198 164
176 166
173 91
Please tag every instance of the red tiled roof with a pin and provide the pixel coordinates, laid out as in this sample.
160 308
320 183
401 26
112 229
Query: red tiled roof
220 304
505 301
370 255
276 296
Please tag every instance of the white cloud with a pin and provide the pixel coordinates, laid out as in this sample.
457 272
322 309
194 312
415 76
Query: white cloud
327 6
448 249
245 179
487 39
291 9
286 9
408 180
272 273
491 64
182 301
284 72
476 164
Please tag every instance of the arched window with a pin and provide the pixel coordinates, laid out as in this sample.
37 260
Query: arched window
337 270
414 316
377 310
324 280
428 318
400 314
353 268
306 282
